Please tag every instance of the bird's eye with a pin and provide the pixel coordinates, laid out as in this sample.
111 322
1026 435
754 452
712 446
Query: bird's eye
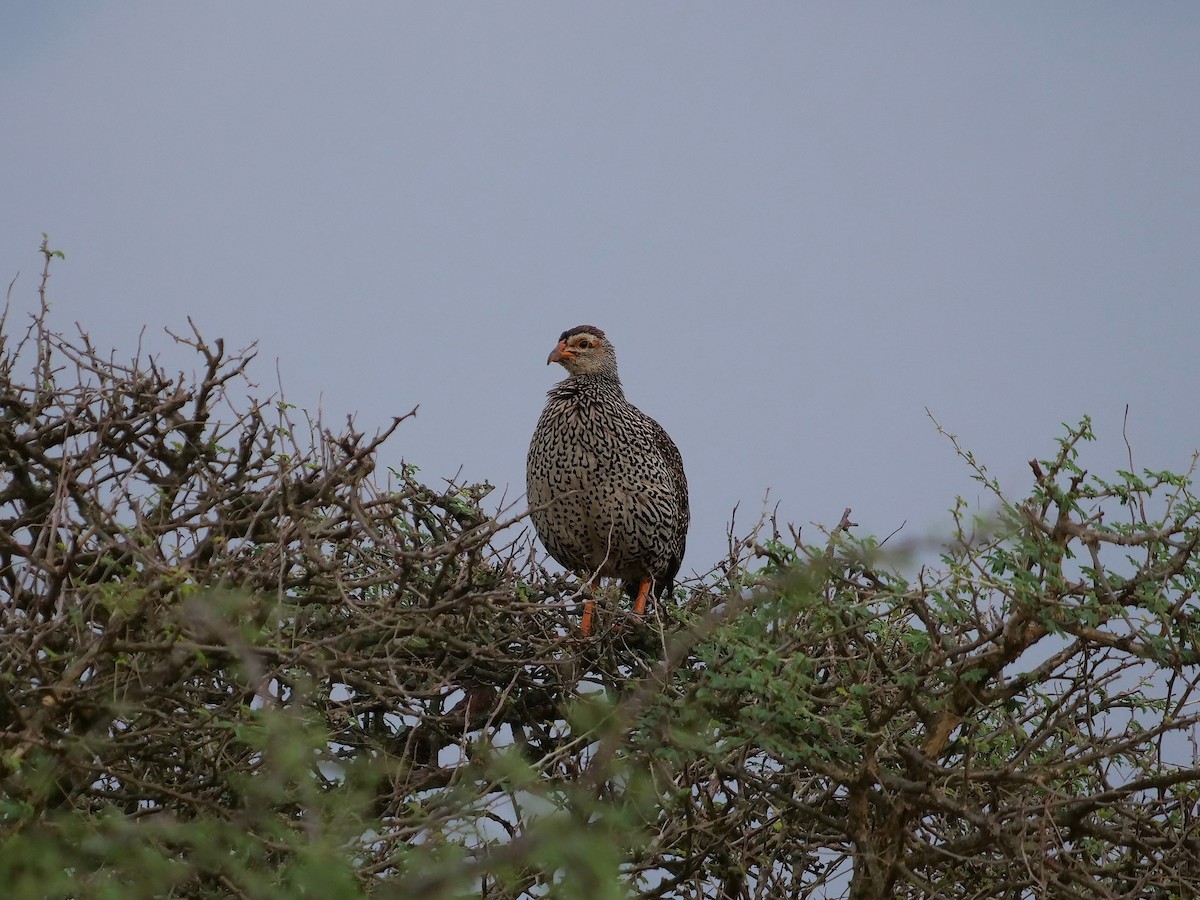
584 345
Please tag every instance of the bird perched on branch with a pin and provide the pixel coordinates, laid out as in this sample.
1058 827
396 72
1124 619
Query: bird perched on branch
605 482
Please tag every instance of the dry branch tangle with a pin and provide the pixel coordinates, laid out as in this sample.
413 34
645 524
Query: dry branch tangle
190 586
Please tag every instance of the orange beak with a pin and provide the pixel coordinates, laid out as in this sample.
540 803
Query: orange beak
559 353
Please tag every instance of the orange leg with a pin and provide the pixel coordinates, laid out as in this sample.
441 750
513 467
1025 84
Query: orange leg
589 610
639 605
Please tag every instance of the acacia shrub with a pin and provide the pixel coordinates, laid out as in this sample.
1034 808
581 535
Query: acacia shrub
237 660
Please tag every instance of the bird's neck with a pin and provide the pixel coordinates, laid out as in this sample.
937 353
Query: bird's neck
594 384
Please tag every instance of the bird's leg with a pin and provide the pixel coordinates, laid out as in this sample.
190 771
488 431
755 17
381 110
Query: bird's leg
639 605
588 590
589 610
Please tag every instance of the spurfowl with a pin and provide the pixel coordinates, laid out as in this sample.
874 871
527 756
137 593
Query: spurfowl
605 481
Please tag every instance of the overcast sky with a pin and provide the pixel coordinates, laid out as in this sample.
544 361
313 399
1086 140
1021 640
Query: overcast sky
800 224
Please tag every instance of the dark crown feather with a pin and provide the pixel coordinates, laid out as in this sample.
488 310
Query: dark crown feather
582 329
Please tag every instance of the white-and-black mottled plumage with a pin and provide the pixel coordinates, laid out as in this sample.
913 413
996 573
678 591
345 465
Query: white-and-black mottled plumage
605 481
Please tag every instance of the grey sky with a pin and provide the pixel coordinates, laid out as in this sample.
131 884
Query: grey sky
801 224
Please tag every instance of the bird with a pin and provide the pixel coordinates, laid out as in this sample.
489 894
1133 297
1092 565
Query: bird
605 483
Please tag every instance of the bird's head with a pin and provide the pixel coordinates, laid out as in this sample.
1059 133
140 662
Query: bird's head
584 350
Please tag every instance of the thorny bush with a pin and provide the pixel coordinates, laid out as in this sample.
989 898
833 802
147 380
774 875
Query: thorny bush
237 661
